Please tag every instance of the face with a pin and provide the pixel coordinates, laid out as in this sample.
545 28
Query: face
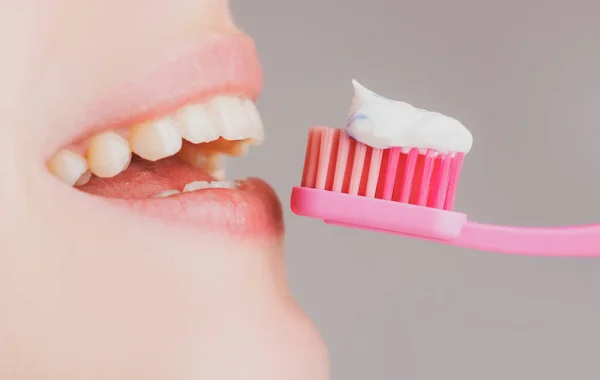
126 252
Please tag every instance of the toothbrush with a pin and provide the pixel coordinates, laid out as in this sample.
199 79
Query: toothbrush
411 192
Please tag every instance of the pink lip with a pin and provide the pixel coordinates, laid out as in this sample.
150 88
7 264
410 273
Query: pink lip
251 210
226 64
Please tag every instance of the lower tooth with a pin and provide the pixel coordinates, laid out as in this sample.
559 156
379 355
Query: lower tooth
166 193
223 185
198 185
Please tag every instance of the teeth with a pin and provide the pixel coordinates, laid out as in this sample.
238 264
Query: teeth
68 166
231 148
224 125
192 155
257 134
195 124
108 155
167 193
200 185
84 179
155 140
230 118
212 162
223 185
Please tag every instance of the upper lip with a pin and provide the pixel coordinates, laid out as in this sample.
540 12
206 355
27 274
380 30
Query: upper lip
226 63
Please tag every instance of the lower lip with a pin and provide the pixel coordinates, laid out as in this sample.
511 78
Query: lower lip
253 209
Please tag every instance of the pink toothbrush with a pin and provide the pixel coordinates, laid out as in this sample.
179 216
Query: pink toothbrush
411 193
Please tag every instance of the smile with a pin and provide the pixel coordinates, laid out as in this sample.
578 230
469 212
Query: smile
160 146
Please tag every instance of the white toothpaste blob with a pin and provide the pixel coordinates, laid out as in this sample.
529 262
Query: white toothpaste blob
385 123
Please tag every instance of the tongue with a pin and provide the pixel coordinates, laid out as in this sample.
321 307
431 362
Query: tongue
143 179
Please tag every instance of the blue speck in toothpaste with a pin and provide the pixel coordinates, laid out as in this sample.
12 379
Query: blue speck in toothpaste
357 116
351 120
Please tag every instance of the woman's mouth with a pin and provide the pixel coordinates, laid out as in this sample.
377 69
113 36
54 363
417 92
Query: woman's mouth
168 161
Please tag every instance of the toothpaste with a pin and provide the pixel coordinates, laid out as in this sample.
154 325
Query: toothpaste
385 123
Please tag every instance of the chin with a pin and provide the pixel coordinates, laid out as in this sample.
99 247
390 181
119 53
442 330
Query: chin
222 310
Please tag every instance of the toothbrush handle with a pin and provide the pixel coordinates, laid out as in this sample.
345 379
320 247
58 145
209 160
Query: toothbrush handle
572 241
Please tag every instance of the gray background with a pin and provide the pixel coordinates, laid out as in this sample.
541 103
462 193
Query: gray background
524 77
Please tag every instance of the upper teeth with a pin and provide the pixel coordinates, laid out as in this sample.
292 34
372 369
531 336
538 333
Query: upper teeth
156 139
194 123
232 119
109 153
68 166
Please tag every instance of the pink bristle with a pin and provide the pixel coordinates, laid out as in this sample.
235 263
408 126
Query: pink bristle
442 190
385 159
336 162
457 162
342 159
307 158
348 164
366 171
390 173
399 177
436 184
360 153
325 162
440 179
373 174
334 159
425 170
311 161
409 174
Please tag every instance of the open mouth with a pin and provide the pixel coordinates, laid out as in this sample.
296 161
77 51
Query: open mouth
182 152
174 165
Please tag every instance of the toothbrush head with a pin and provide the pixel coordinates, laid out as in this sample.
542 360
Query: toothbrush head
400 190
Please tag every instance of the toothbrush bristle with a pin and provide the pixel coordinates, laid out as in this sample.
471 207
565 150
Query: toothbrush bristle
336 162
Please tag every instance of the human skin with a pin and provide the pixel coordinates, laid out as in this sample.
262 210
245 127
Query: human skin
97 293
